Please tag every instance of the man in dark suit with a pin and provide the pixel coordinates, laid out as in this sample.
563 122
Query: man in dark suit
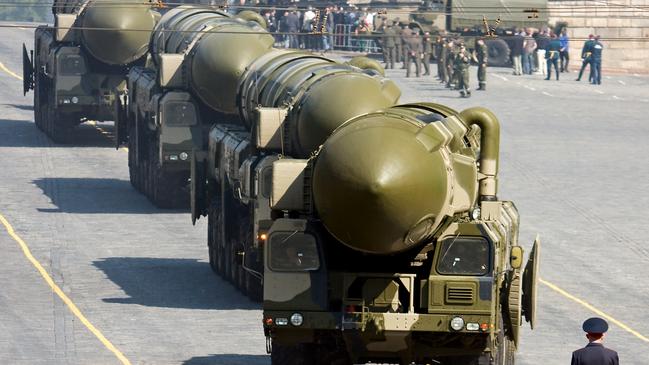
595 353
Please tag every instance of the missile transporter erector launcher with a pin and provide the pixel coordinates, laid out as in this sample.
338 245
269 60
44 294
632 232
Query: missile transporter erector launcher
78 67
370 230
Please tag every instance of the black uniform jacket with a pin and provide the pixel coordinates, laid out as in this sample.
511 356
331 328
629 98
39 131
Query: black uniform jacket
595 354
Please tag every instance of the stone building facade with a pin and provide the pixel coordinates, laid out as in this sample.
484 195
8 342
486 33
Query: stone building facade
622 24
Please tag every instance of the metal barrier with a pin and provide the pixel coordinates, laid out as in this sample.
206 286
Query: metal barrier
347 40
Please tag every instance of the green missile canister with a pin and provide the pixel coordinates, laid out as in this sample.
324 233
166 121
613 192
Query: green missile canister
385 181
116 32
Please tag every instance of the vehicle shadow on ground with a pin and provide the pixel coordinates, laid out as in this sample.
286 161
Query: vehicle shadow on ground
229 359
24 133
171 283
96 196
27 107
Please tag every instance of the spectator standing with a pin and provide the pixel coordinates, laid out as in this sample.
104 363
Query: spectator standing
596 64
552 56
517 53
308 28
542 42
529 49
481 56
329 27
292 24
565 55
586 57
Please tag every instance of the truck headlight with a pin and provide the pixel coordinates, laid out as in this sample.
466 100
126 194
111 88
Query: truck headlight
297 319
457 323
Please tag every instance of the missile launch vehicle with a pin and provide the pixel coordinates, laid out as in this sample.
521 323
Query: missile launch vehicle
78 66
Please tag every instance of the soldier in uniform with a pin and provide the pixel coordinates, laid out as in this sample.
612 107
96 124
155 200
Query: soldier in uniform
398 49
596 63
481 56
428 51
462 62
414 50
441 60
450 62
405 34
595 353
586 53
389 46
552 56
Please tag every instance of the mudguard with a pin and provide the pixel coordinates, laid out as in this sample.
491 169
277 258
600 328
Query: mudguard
121 122
198 181
530 283
28 70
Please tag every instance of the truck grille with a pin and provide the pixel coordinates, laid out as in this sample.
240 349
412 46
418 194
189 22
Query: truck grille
459 295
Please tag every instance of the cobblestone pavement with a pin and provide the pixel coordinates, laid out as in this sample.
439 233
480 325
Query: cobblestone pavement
572 158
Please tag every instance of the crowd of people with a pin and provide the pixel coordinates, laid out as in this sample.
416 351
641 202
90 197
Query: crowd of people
544 51
325 29
366 30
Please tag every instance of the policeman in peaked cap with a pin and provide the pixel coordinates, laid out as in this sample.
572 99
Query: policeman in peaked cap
595 353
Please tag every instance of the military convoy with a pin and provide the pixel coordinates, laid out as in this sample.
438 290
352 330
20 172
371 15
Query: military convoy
78 67
370 230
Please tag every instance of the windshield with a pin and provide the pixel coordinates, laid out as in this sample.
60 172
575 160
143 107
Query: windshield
464 256
293 251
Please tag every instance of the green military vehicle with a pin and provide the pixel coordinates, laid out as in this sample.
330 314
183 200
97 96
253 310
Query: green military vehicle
78 67
177 96
371 231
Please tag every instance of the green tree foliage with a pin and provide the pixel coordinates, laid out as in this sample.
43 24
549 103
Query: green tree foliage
26 10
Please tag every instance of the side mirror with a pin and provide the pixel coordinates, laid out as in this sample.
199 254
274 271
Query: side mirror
516 257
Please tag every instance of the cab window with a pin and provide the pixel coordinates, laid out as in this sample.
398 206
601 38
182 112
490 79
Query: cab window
293 251
464 256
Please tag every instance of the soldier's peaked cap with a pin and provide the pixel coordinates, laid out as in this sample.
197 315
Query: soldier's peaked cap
595 325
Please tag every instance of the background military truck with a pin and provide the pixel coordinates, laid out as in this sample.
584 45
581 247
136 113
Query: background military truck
373 230
465 18
174 99
78 67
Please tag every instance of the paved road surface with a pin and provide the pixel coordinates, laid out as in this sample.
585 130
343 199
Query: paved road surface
573 160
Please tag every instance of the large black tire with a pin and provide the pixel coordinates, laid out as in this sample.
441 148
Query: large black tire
506 354
133 171
214 234
292 355
165 190
58 125
498 52
40 99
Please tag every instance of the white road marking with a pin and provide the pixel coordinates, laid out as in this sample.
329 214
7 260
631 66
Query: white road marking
599 92
636 75
500 77
617 97
530 88
621 82
546 93
608 77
